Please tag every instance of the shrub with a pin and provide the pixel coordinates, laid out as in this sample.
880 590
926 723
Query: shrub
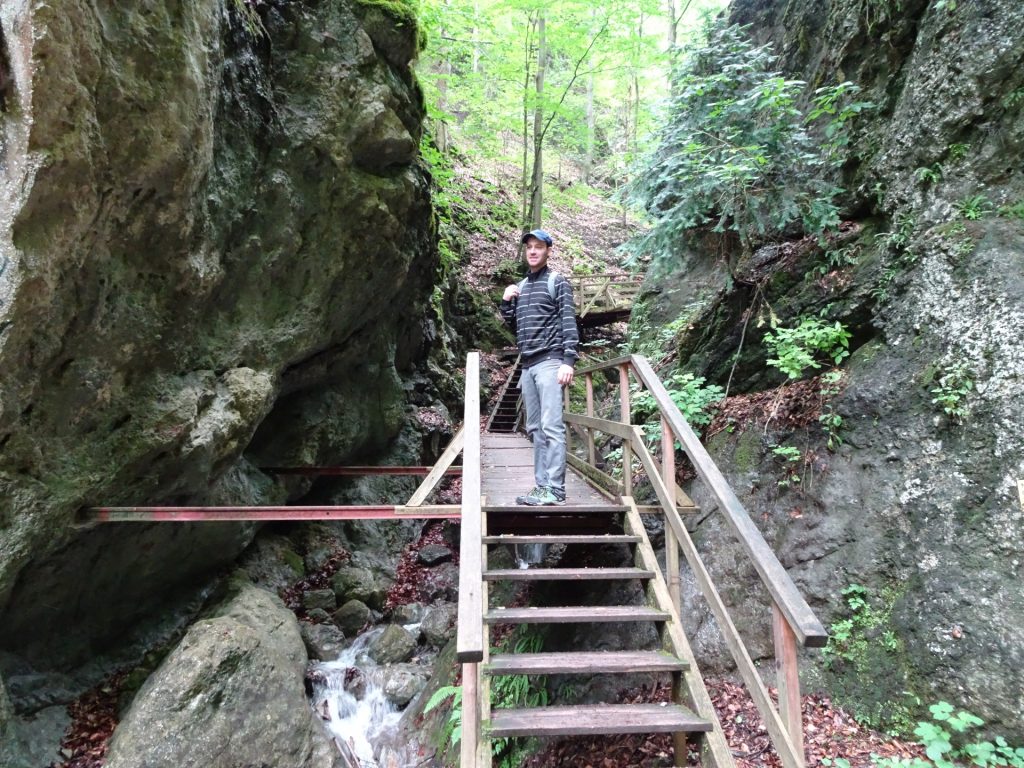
736 151
803 347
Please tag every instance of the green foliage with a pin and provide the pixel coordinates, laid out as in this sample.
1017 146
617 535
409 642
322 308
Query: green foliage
974 207
803 347
850 637
929 175
736 151
451 730
515 692
898 238
830 421
1013 98
951 393
1013 210
958 151
837 258
249 16
791 458
691 395
947 742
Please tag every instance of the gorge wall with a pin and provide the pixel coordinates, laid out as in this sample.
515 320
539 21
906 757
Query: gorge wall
216 252
918 507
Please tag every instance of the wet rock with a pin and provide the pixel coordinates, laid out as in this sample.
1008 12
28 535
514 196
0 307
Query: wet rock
230 694
319 598
352 617
393 645
318 616
271 562
410 613
323 641
10 750
358 584
402 682
438 622
442 583
434 554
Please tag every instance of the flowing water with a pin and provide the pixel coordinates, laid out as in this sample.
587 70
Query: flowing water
348 693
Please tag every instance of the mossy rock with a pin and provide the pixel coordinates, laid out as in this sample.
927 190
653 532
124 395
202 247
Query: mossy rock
393 28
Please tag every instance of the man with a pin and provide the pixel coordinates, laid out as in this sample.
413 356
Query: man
540 310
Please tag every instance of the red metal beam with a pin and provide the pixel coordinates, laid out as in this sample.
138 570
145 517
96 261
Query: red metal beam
357 470
207 514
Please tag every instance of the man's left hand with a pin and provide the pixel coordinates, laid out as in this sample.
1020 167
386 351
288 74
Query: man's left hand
565 374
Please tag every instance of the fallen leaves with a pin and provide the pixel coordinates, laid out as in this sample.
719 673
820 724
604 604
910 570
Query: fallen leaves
93 719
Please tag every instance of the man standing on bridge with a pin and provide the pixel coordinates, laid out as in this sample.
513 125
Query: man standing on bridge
540 311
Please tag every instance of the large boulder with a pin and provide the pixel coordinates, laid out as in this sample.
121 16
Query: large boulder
195 263
394 644
231 694
11 753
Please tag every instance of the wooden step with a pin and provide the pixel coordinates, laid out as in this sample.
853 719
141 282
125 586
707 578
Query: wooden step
595 719
587 614
585 663
564 509
567 539
566 574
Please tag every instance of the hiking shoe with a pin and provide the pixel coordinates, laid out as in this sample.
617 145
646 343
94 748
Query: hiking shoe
540 497
530 499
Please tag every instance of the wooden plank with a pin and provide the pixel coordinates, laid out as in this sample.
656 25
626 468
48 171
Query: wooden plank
556 509
744 664
787 672
440 467
584 663
595 719
591 449
626 417
589 614
265 514
607 538
470 636
566 574
715 745
470 716
668 474
605 365
603 425
596 475
779 584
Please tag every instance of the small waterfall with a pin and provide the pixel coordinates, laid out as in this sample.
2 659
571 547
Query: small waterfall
348 694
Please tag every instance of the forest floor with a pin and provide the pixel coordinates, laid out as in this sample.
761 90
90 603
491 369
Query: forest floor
587 229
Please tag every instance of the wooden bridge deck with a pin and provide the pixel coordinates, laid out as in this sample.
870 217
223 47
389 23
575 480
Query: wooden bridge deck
507 464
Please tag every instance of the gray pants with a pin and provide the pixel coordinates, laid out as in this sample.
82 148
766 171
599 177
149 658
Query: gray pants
542 395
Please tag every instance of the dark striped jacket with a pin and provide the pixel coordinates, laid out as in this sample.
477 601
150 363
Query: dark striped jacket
545 327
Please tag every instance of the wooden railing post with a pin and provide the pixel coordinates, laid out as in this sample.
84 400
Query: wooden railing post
470 716
591 450
625 417
788 680
668 473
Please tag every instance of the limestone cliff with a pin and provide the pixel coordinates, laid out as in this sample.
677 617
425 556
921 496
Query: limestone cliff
216 248
918 506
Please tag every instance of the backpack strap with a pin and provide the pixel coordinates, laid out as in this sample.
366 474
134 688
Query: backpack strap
552 276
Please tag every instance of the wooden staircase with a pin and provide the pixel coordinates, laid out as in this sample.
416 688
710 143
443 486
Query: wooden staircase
601 511
689 716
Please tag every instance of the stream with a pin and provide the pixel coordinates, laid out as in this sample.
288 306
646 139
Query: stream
348 693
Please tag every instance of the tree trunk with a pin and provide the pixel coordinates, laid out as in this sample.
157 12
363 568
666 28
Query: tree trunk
525 188
537 180
588 159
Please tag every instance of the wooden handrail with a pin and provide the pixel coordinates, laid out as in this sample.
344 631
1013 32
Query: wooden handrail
808 630
470 637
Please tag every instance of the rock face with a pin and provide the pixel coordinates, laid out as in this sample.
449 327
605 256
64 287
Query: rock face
215 253
918 507
231 694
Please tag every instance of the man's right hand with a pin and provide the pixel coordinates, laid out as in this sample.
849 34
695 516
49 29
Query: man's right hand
510 293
